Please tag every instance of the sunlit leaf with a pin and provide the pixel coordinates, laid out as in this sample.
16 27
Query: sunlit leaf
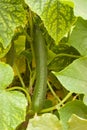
80 8
74 107
74 76
20 44
12 109
77 123
78 38
12 104
12 15
68 2
6 75
57 17
85 99
45 122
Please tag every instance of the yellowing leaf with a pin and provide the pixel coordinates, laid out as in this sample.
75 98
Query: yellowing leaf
77 123
12 15
45 122
57 17
6 75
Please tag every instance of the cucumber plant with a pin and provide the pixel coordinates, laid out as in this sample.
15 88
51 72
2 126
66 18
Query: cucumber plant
37 37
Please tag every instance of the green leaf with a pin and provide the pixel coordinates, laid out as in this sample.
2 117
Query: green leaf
12 15
78 38
77 123
20 44
28 55
12 109
6 75
80 8
57 17
63 57
12 104
85 99
68 2
74 107
51 56
3 51
74 76
45 122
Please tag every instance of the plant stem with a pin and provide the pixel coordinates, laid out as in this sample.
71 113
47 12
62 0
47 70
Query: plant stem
48 109
52 91
19 75
31 24
58 105
64 100
32 79
28 37
22 89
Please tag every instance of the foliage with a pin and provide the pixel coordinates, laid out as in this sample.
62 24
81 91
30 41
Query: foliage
39 122
25 60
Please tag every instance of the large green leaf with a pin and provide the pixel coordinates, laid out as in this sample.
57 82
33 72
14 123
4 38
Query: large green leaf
78 38
12 109
12 104
45 122
57 17
6 75
74 107
12 15
77 123
74 76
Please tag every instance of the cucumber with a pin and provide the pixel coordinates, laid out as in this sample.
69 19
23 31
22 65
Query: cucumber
40 52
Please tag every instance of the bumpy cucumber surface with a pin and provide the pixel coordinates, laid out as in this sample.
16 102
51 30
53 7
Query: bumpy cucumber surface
41 71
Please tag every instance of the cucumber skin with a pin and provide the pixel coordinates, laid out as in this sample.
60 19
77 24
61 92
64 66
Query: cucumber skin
41 71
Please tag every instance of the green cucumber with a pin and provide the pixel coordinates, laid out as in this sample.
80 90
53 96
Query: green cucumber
40 52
